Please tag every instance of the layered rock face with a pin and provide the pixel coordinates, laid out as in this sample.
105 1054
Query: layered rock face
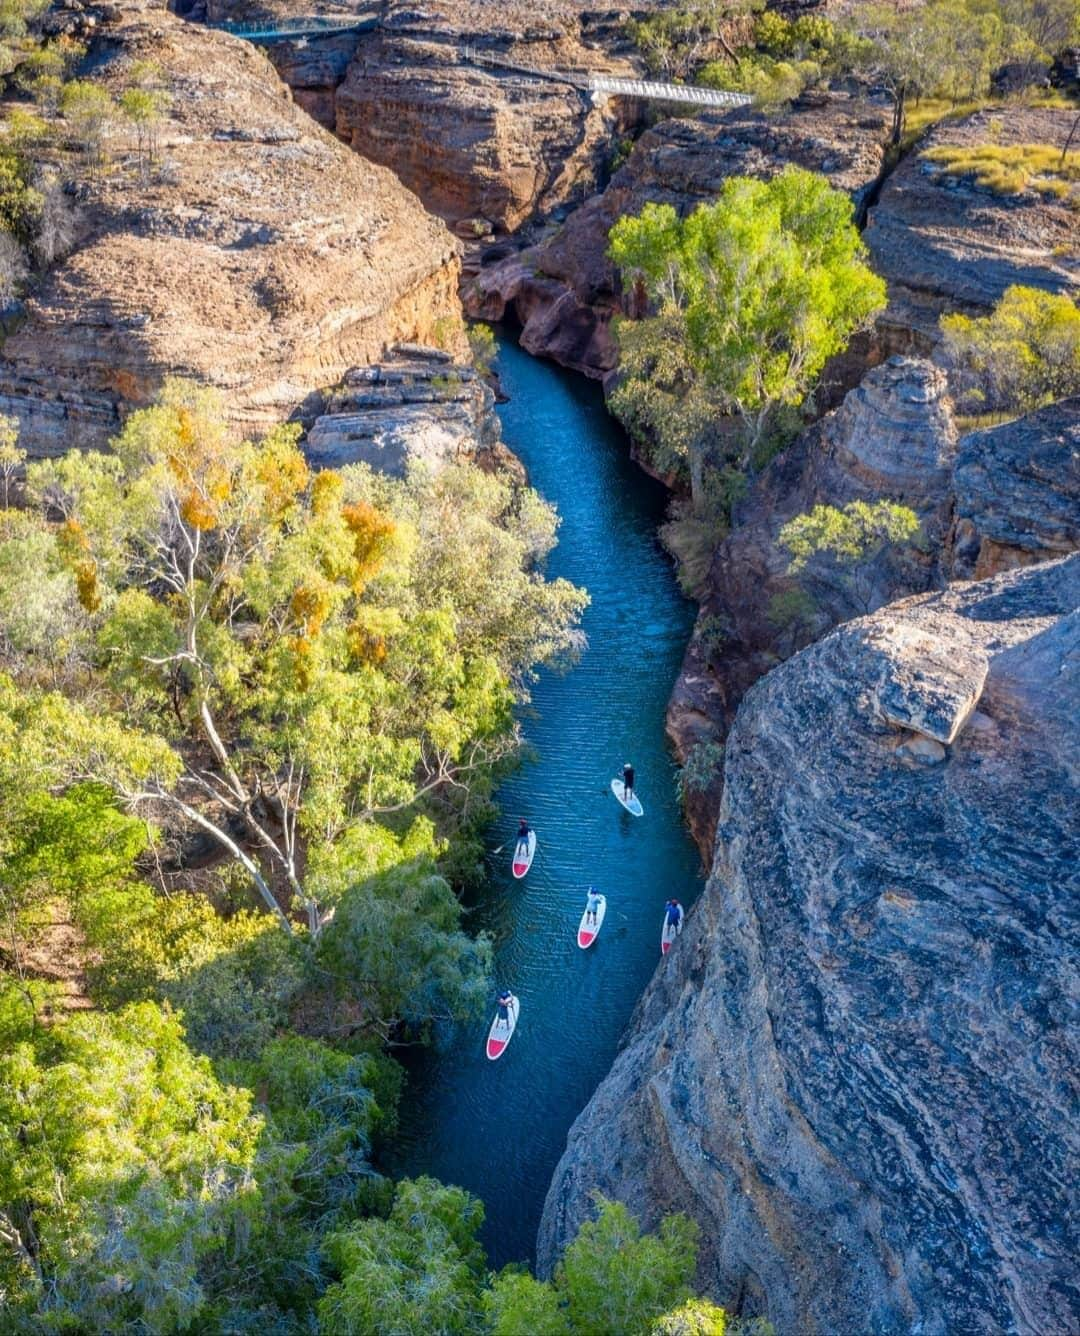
997 499
564 290
1017 490
263 256
856 1067
945 244
435 96
416 409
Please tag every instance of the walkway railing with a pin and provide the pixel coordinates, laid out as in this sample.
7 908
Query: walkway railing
282 30
665 92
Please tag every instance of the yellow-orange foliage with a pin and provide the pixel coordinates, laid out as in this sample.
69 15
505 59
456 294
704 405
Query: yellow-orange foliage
86 585
310 608
372 533
198 512
366 646
283 477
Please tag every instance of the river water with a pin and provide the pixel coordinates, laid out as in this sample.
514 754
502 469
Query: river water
498 1128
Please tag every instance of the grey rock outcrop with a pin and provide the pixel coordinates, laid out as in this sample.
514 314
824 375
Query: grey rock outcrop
417 409
856 1068
995 499
1018 492
944 243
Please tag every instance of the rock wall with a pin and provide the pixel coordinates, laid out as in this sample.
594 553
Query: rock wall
262 256
441 94
1004 497
565 291
856 1068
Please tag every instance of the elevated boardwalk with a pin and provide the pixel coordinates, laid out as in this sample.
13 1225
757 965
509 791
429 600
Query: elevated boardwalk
286 30
599 85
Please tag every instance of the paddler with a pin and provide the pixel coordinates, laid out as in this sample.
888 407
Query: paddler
627 782
673 911
503 1003
523 836
592 904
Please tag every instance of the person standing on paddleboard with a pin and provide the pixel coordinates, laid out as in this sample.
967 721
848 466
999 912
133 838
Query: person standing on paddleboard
523 836
503 1003
627 782
674 914
592 904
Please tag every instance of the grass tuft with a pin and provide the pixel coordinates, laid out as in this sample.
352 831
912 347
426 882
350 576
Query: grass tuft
1013 169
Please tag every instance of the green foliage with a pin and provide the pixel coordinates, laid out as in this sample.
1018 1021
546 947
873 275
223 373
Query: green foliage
950 48
614 1278
395 943
417 1273
89 111
676 41
851 538
124 1165
696 1317
20 203
1022 356
750 297
305 657
704 765
517 1302
482 346
851 534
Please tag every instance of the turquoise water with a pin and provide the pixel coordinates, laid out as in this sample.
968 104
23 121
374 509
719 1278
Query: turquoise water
498 1128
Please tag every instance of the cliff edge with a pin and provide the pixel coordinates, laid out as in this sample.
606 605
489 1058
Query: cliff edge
855 1068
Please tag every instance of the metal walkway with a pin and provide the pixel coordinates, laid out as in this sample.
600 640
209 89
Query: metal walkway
285 30
600 85
665 92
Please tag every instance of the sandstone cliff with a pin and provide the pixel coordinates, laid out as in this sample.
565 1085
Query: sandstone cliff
947 244
1003 497
263 256
856 1068
564 290
442 95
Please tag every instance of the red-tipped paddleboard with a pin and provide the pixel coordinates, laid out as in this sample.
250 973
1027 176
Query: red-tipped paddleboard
587 933
668 934
632 804
521 862
500 1035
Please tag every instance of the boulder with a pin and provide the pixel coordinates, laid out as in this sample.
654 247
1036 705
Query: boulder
855 1069
261 256
416 409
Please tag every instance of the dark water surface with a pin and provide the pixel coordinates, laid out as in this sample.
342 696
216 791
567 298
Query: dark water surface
498 1128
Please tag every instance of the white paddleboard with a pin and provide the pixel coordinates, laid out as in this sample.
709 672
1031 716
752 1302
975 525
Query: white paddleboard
500 1035
587 933
632 805
521 863
668 933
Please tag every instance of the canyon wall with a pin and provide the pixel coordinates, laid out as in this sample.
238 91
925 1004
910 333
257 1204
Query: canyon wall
997 498
856 1068
261 255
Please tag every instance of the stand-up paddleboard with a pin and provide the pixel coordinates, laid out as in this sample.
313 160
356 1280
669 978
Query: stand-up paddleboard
632 805
669 933
587 933
522 862
500 1035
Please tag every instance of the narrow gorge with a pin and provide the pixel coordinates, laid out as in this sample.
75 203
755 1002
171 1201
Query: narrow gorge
352 305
